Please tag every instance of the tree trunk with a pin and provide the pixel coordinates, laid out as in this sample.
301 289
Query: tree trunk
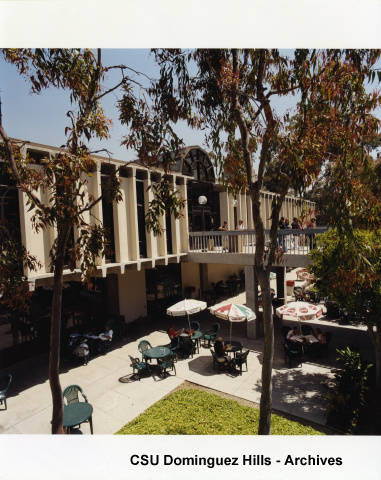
55 334
268 353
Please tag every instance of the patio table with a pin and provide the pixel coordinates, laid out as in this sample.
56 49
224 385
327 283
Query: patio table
233 347
77 413
157 352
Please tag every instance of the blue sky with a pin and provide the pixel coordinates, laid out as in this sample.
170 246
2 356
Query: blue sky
42 118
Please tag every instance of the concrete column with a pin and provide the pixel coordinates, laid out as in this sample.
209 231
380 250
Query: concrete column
231 212
161 240
224 207
132 217
244 209
175 227
281 287
121 224
250 221
184 225
96 213
250 285
148 197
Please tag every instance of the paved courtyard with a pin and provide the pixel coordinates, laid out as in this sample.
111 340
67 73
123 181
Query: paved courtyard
298 391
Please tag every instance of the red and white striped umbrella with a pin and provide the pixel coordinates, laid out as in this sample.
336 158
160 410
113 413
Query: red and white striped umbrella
233 312
301 311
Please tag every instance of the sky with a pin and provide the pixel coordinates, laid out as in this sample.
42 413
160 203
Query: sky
42 118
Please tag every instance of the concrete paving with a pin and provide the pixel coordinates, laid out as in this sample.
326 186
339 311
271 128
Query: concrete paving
298 391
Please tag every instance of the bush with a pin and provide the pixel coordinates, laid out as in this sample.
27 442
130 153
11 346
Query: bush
347 398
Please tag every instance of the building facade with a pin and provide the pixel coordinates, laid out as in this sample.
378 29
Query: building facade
139 268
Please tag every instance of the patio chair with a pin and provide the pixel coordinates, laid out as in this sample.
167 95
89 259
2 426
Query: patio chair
166 363
219 362
186 347
71 394
293 351
211 335
140 367
174 347
241 359
3 392
143 346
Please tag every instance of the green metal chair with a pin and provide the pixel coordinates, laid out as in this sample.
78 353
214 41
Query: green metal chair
195 325
211 335
143 346
166 363
240 360
3 392
71 394
138 366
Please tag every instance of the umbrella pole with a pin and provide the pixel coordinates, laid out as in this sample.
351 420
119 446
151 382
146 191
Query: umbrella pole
188 321
230 332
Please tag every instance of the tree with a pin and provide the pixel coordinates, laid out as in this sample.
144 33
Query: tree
347 269
231 94
64 176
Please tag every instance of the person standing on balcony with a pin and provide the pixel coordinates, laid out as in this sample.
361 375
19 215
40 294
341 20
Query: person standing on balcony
312 225
282 226
225 240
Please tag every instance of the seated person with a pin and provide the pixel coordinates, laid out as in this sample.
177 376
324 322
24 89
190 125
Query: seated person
107 335
219 347
105 338
319 335
172 333
292 333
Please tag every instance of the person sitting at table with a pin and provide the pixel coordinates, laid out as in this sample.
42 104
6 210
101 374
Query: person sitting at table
172 333
219 347
104 337
292 333
319 335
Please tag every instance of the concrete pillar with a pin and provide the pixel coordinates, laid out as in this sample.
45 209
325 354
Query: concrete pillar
184 225
148 197
132 217
250 286
250 221
121 223
224 207
281 287
161 240
244 209
175 227
231 223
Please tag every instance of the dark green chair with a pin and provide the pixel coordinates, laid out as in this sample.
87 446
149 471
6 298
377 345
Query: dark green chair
3 392
138 366
240 360
211 335
71 395
166 363
219 362
195 325
143 346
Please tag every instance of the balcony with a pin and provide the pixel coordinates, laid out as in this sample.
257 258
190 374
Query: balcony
238 246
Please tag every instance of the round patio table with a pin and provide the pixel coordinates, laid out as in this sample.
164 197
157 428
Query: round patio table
233 347
157 352
77 413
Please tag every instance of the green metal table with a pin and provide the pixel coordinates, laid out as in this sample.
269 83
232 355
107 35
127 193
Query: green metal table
77 413
157 352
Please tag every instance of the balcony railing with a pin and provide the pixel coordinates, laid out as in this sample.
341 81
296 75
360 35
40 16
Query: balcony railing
294 242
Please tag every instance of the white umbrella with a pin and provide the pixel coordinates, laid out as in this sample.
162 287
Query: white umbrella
186 307
233 312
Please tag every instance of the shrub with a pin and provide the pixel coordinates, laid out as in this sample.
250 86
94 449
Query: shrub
347 398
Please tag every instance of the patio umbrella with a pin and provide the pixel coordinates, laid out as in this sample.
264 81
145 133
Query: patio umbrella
186 307
233 312
301 311
304 274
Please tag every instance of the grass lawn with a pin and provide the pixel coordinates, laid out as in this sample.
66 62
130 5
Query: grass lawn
195 412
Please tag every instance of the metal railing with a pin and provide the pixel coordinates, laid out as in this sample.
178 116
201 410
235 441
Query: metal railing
294 242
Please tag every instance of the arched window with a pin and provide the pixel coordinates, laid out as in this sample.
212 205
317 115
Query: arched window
196 163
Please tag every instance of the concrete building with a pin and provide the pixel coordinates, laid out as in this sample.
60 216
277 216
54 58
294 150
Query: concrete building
139 268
